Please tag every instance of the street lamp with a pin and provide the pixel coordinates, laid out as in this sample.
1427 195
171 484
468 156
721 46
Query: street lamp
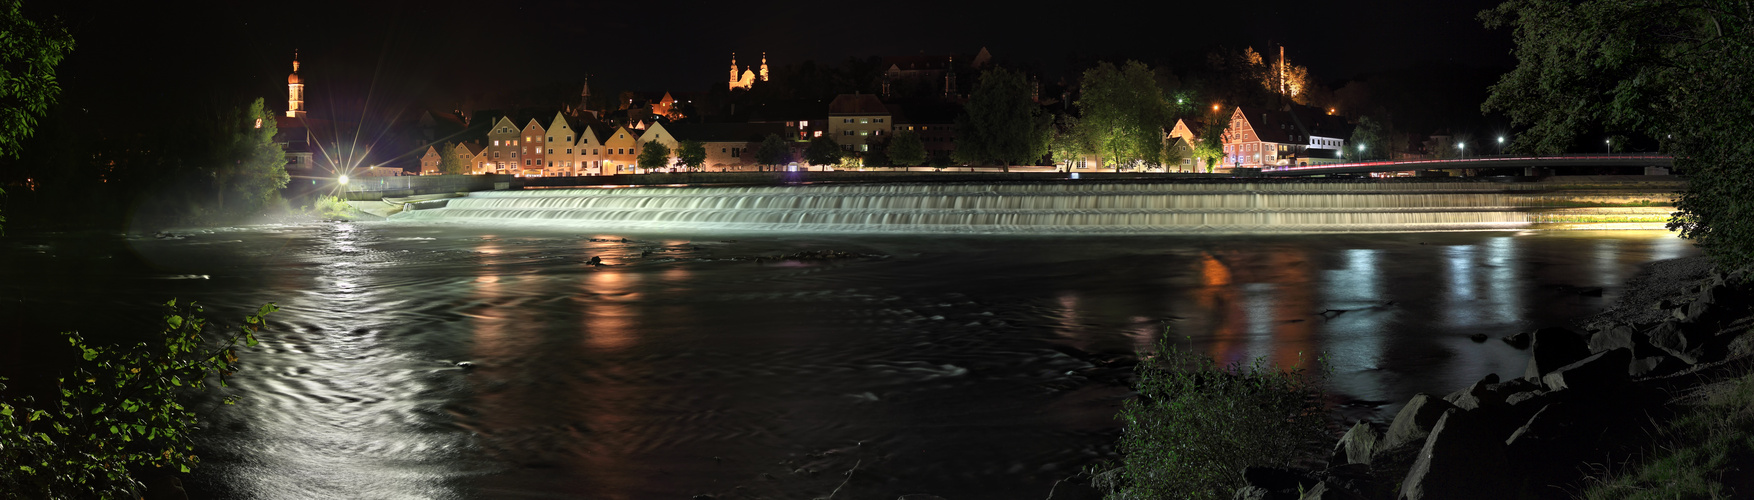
342 179
1501 144
1360 152
1610 145
1464 149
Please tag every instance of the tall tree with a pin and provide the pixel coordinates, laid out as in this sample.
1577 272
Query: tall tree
906 149
823 151
690 154
653 155
1001 124
451 161
1680 71
1211 146
1124 114
1368 140
772 151
29 52
247 163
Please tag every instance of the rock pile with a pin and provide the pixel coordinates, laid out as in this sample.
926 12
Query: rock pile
1585 396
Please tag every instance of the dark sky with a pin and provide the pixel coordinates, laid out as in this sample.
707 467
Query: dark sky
442 50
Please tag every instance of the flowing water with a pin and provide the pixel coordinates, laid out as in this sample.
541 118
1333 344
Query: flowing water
1108 208
695 362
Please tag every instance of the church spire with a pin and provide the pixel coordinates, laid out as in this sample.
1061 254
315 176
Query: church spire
764 66
295 91
733 69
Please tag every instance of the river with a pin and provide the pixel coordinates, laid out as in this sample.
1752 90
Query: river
690 364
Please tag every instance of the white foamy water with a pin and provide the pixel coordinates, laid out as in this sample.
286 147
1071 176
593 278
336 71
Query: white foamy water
1041 208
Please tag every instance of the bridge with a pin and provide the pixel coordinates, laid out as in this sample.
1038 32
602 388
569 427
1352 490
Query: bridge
1481 162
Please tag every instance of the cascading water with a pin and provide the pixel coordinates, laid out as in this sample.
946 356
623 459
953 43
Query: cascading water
1219 207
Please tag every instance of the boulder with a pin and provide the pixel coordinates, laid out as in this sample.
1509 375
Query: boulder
1691 312
1517 340
1414 422
1673 339
1554 347
1356 446
1655 366
1463 459
1615 337
1477 395
1601 372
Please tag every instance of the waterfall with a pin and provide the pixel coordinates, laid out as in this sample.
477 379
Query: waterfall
1067 207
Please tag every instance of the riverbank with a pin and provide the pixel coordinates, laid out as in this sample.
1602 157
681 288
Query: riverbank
1593 402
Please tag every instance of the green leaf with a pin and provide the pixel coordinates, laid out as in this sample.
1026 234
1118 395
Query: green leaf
251 339
114 430
5 410
185 468
174 321
27 469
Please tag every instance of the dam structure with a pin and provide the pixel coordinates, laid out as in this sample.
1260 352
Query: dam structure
1070 207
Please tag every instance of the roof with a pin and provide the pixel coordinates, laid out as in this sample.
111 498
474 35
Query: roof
857 104
917 63
474 149
725 132
1313 121
1269 125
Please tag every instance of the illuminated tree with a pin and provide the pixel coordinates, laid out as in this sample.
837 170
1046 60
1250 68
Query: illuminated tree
906 149
823 151
1124 114
1678 71
1001 124
653 155
1368 140
690 154
1211 146
244 161
451 161
772 151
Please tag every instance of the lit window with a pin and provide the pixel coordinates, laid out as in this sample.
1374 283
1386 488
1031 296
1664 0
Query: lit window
496 143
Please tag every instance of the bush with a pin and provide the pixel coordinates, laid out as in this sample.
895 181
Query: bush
117 414
332 207
1196 425
1702 453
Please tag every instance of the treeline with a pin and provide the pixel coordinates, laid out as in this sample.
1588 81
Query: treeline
212 163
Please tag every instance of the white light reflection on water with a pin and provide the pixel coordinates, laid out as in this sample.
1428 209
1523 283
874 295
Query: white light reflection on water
332 407
1355 348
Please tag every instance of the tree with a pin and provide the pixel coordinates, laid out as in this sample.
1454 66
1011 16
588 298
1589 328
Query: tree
906 149
1676 71
690 154
245 160
118 413
1124 114
823 151
451 162
29 52
772 151
1368 141
1001 124
1211 146
1069 144
653 155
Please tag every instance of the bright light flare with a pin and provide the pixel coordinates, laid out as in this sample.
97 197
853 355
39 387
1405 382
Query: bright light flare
342 179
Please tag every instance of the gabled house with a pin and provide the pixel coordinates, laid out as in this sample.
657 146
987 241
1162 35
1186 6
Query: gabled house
503 147
1294 135
560 147
429 162
620 150
533 149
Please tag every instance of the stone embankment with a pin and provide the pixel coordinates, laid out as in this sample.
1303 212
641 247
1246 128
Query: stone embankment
1588 398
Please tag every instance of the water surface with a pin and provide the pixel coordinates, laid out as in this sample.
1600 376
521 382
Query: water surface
689 364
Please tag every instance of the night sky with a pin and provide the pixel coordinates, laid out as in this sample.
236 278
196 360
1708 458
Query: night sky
145 53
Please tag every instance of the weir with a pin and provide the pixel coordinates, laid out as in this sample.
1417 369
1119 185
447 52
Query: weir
1050 208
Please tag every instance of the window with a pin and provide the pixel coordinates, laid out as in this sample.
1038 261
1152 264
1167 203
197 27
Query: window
514 154
879 120
721 150
496 155
496 143
593 151
569 151
736 152
864 120
550 151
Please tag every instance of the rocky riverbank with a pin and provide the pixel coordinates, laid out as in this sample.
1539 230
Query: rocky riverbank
1589 399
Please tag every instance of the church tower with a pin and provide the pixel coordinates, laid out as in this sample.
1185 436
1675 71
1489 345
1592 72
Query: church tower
585 96
764 66
295 91
733 70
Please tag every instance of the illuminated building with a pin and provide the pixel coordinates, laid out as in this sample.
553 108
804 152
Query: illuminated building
295 91
534 149
746 78
1294 135
854 119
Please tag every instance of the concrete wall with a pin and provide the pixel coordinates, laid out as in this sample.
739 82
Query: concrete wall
376 188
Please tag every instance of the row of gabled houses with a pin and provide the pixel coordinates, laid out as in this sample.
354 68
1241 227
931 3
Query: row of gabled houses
1293 135
580 146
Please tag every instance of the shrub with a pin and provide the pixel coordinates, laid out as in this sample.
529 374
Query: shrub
117 412
332 207
1195 425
